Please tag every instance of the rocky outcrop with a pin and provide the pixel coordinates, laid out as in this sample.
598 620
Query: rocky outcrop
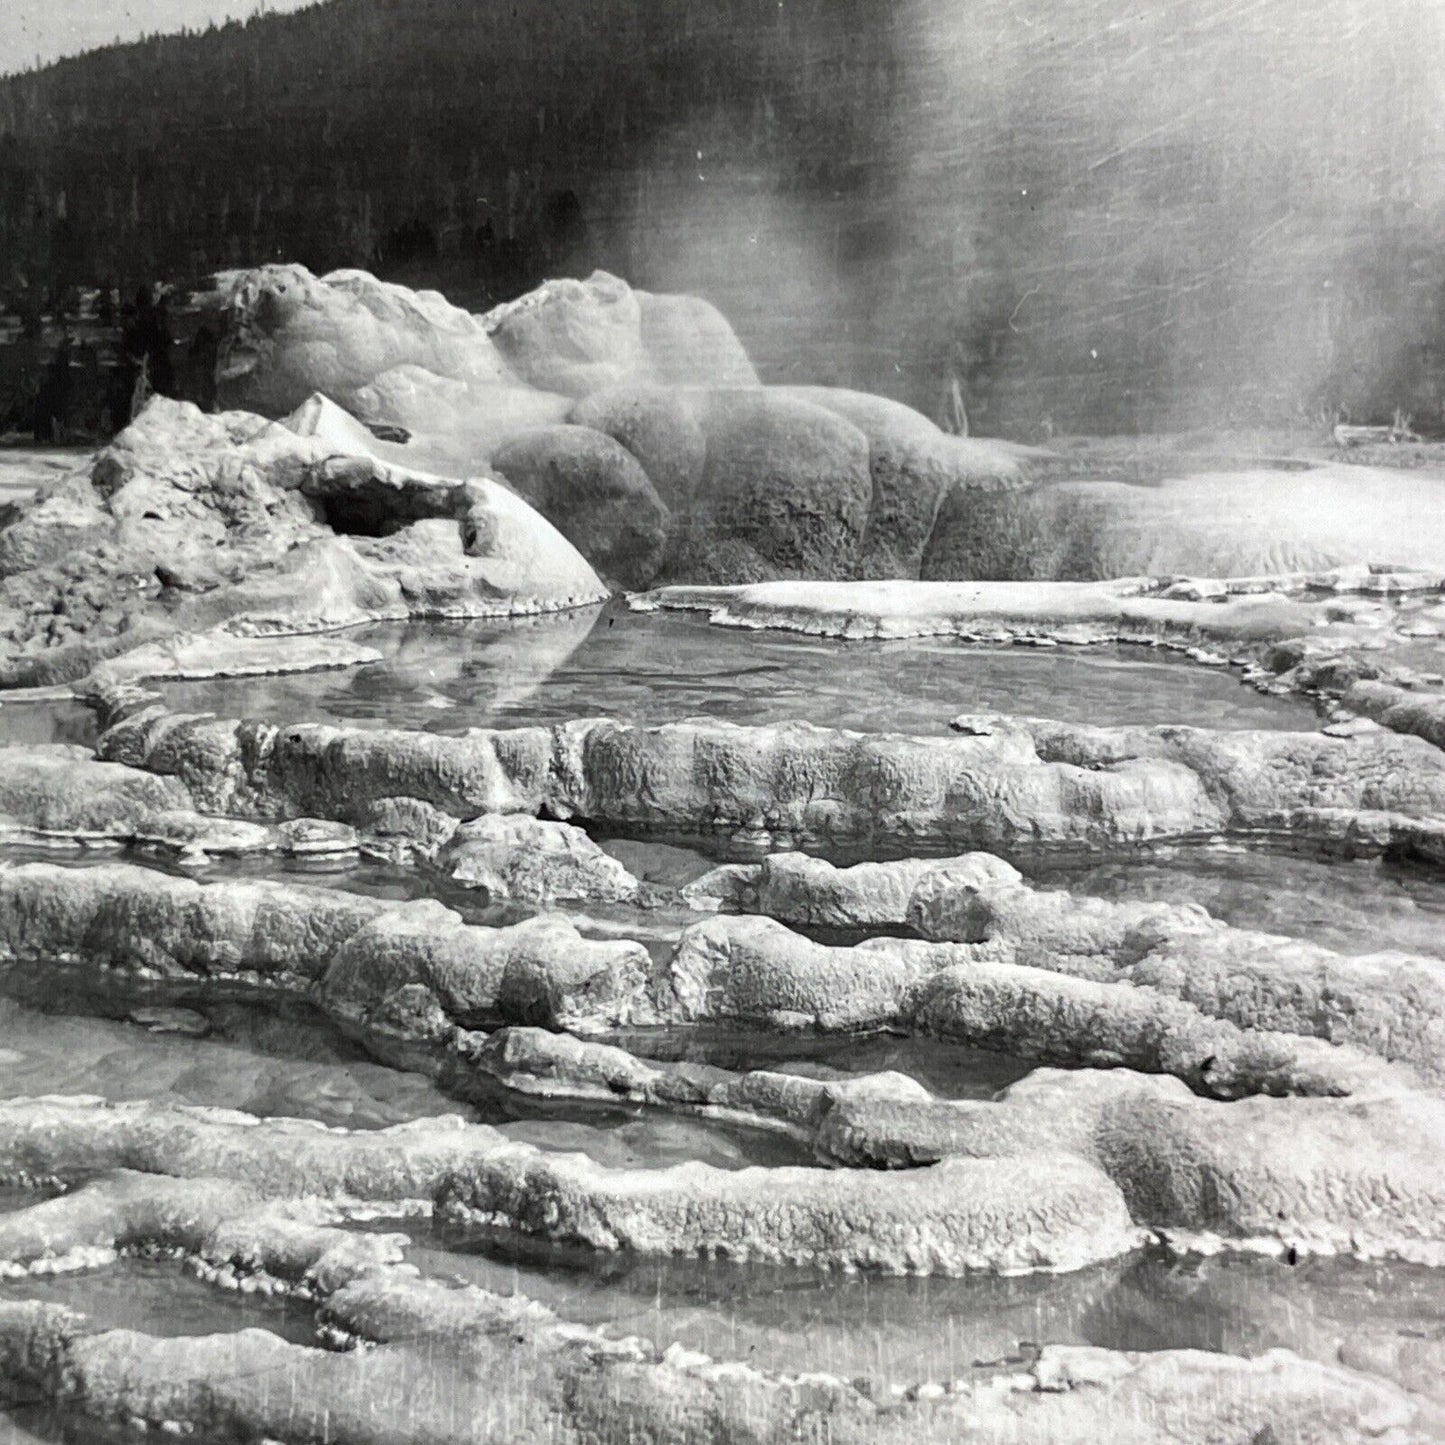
222 1227
1127 609
418 974
1220 1089
188 523
414 969
785 491
509 1365
1039 1014
59 796
1403 711
636 426
914 468
289 335
74 1139
755 971
1048 1161
659 426
578 337
62 793
1389 1004
800 889
534 861
1015 1214
1289 1181
1003 784
559 1381
876 489
1361 1171
598 494
1303 1175
554 1066
634 422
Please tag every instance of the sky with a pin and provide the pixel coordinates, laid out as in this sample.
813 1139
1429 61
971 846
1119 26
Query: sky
48 29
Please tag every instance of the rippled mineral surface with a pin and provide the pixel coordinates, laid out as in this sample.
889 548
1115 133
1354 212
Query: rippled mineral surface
692 1151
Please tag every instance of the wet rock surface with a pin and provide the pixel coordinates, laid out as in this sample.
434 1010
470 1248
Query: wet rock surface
1009 1037
414 966
581 1382
1002 783
190 523
410 972
247 1238
1389 1003
1195 1046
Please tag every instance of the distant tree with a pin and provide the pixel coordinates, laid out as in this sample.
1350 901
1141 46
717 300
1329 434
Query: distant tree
1182 224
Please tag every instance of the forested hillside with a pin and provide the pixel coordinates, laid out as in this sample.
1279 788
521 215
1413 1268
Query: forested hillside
1086 216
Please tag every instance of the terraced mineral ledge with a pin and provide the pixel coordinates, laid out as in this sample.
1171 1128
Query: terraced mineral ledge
892 964
1001 783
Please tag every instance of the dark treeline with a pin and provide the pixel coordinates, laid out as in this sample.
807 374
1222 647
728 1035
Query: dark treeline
1067 213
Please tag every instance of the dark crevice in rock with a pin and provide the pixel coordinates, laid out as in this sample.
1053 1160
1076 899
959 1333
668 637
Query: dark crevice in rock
360 515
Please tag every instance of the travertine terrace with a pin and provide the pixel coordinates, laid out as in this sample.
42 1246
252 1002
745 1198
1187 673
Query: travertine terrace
501 1007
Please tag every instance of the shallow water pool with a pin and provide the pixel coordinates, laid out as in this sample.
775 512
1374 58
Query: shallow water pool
659 667
1354 906
281 1063
262 1065
952 1071
892 1330
159 1297
280 1060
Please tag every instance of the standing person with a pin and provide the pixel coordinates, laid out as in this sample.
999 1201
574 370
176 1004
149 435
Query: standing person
204 354
91 399
138 331
52 405
160 368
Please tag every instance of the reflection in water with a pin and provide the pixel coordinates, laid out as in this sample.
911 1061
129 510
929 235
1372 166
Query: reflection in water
62 720
248 1059
284 1061
1355 906
158 1297
16 1196
898 1330
287 1063
54 1425
952 1071
653 668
